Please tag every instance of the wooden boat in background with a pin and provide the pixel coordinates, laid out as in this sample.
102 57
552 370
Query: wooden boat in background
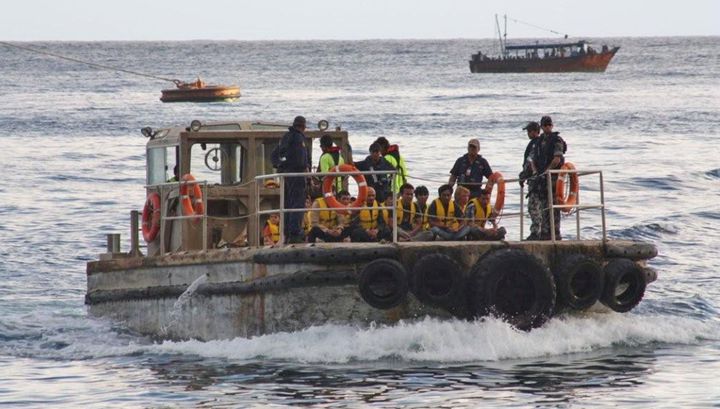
198 91
576 56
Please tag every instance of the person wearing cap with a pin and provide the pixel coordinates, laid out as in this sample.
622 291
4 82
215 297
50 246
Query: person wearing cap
296 160
375 162
529 174
470 168
331 157
548 154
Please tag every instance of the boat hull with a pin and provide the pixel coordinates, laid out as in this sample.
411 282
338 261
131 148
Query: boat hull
581 63
221 294
204 94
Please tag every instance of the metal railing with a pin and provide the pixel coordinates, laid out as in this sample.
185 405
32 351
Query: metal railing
282 210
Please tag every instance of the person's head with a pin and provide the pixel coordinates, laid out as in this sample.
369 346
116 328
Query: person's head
274 218
533 129
389 199
384 144
484 198
375 151
344 197
299 123
422 194
326 142
546 124
445 193
370 198
462 195
406 193
473 147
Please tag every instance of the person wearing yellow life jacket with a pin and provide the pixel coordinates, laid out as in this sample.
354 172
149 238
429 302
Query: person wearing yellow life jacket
391 153
271 231
369 225
479 212
409 219
443 217
307 218
326 223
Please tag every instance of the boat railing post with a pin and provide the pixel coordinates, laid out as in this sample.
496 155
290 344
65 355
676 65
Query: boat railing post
204 216
162 218
602 209
113 243
256 216
282 210
134 234
551 205
577 209
394 208
522 211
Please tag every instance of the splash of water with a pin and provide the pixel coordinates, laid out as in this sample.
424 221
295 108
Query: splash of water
184 298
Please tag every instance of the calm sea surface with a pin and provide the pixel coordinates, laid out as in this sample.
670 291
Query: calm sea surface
73 167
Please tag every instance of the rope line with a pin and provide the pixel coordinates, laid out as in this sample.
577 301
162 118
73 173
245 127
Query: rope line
538 27
91 64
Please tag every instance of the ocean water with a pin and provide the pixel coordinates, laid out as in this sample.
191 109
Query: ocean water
73 167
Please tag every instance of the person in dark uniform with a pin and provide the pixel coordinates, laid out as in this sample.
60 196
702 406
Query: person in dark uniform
295 160
376 162
548 154
529 173
469 170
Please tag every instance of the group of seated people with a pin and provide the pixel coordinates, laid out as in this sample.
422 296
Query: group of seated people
448 217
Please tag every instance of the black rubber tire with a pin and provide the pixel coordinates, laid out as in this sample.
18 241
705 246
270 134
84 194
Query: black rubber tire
624 285
383 283
437 280
515 286
579 282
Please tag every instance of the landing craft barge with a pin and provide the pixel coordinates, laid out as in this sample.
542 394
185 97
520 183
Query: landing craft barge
206 276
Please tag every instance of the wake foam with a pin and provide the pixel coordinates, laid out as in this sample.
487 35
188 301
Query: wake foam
454 341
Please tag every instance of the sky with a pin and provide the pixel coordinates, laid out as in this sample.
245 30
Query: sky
100 20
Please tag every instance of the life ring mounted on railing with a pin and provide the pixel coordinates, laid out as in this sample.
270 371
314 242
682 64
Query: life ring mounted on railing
192 204
151 217
497 179
571 196
328 182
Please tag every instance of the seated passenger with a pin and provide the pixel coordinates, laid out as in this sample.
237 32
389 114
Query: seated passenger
442 215
375 162
479 211
409 220
421 195
325 224
271 231
307 219
369 225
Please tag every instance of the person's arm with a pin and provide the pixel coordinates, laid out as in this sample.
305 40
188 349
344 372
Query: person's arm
487 172
432 217
454 172
267 236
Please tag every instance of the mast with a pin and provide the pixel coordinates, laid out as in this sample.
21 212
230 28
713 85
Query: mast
505 34
500 38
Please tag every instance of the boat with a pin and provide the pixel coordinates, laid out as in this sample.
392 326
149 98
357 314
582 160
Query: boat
199 91
205 273
576 56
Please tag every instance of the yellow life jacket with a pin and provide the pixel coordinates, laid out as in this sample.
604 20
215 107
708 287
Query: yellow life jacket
274 231
425 222
327 218
481 215
446 218
307 222
368 217
401 212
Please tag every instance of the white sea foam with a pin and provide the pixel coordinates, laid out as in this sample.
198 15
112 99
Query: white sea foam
454 341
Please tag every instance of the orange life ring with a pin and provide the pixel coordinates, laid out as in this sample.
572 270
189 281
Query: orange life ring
569 198
328 184
151 217
497 179
192 204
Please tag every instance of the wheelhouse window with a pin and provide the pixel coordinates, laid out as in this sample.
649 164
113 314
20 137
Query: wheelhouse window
217 163
161 165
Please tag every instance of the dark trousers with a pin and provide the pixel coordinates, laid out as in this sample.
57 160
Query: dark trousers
294 199
360 235
317 233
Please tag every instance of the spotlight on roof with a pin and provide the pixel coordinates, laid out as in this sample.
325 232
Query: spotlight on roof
195 125
147 132
323 124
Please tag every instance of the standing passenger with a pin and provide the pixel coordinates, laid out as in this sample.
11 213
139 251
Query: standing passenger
294 159
470 168
529 173
391 153
375 162
548 155
330 158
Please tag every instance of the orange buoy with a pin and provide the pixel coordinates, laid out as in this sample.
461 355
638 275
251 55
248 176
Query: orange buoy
497 179
570 197
192 204
151 217
359 178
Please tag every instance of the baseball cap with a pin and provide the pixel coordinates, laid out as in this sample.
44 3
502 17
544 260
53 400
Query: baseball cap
532 126
474 142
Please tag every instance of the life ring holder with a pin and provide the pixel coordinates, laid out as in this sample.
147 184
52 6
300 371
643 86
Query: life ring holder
569 199
151 217
192 204
498 179
330 199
